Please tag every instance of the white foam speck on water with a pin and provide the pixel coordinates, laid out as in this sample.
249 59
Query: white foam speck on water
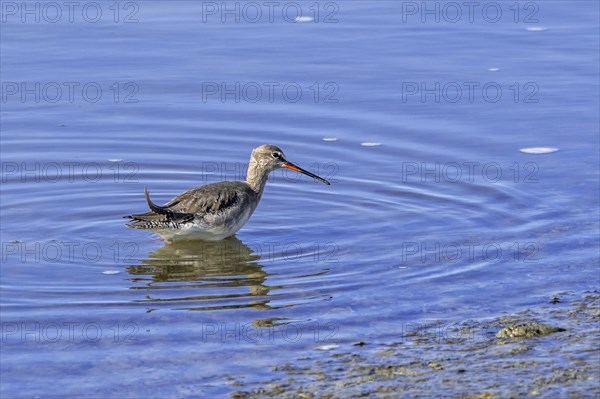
370 144
115 160
304 18
330 139
538 150
111 272
493 69
327 347
536 28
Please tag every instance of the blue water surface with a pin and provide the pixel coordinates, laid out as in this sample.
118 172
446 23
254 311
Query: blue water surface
434 214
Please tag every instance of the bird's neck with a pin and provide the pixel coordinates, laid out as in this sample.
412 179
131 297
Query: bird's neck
256 177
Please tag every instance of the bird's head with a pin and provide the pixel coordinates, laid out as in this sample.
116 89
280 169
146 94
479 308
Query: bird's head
270 157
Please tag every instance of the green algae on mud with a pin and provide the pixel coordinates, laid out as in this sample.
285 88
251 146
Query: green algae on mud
527 330
548 351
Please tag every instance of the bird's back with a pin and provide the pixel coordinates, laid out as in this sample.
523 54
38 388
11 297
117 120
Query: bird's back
218 209
212 199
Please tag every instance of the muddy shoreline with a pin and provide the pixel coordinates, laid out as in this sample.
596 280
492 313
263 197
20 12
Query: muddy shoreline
551 351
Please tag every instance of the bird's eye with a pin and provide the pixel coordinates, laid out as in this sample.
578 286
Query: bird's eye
276 155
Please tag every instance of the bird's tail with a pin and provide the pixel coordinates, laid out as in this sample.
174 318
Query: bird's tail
159 216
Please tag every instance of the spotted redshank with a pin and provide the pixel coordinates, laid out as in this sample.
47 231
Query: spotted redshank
215 211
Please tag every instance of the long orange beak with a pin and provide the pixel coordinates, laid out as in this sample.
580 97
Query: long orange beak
291 166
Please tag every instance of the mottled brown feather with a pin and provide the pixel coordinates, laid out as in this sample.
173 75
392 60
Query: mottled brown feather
197 202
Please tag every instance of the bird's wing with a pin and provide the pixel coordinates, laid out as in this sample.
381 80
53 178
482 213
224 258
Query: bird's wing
197 202
210 199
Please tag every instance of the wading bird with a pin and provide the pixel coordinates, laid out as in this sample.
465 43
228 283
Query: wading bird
215 211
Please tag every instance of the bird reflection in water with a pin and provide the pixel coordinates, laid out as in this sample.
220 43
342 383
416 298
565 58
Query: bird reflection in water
219 274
